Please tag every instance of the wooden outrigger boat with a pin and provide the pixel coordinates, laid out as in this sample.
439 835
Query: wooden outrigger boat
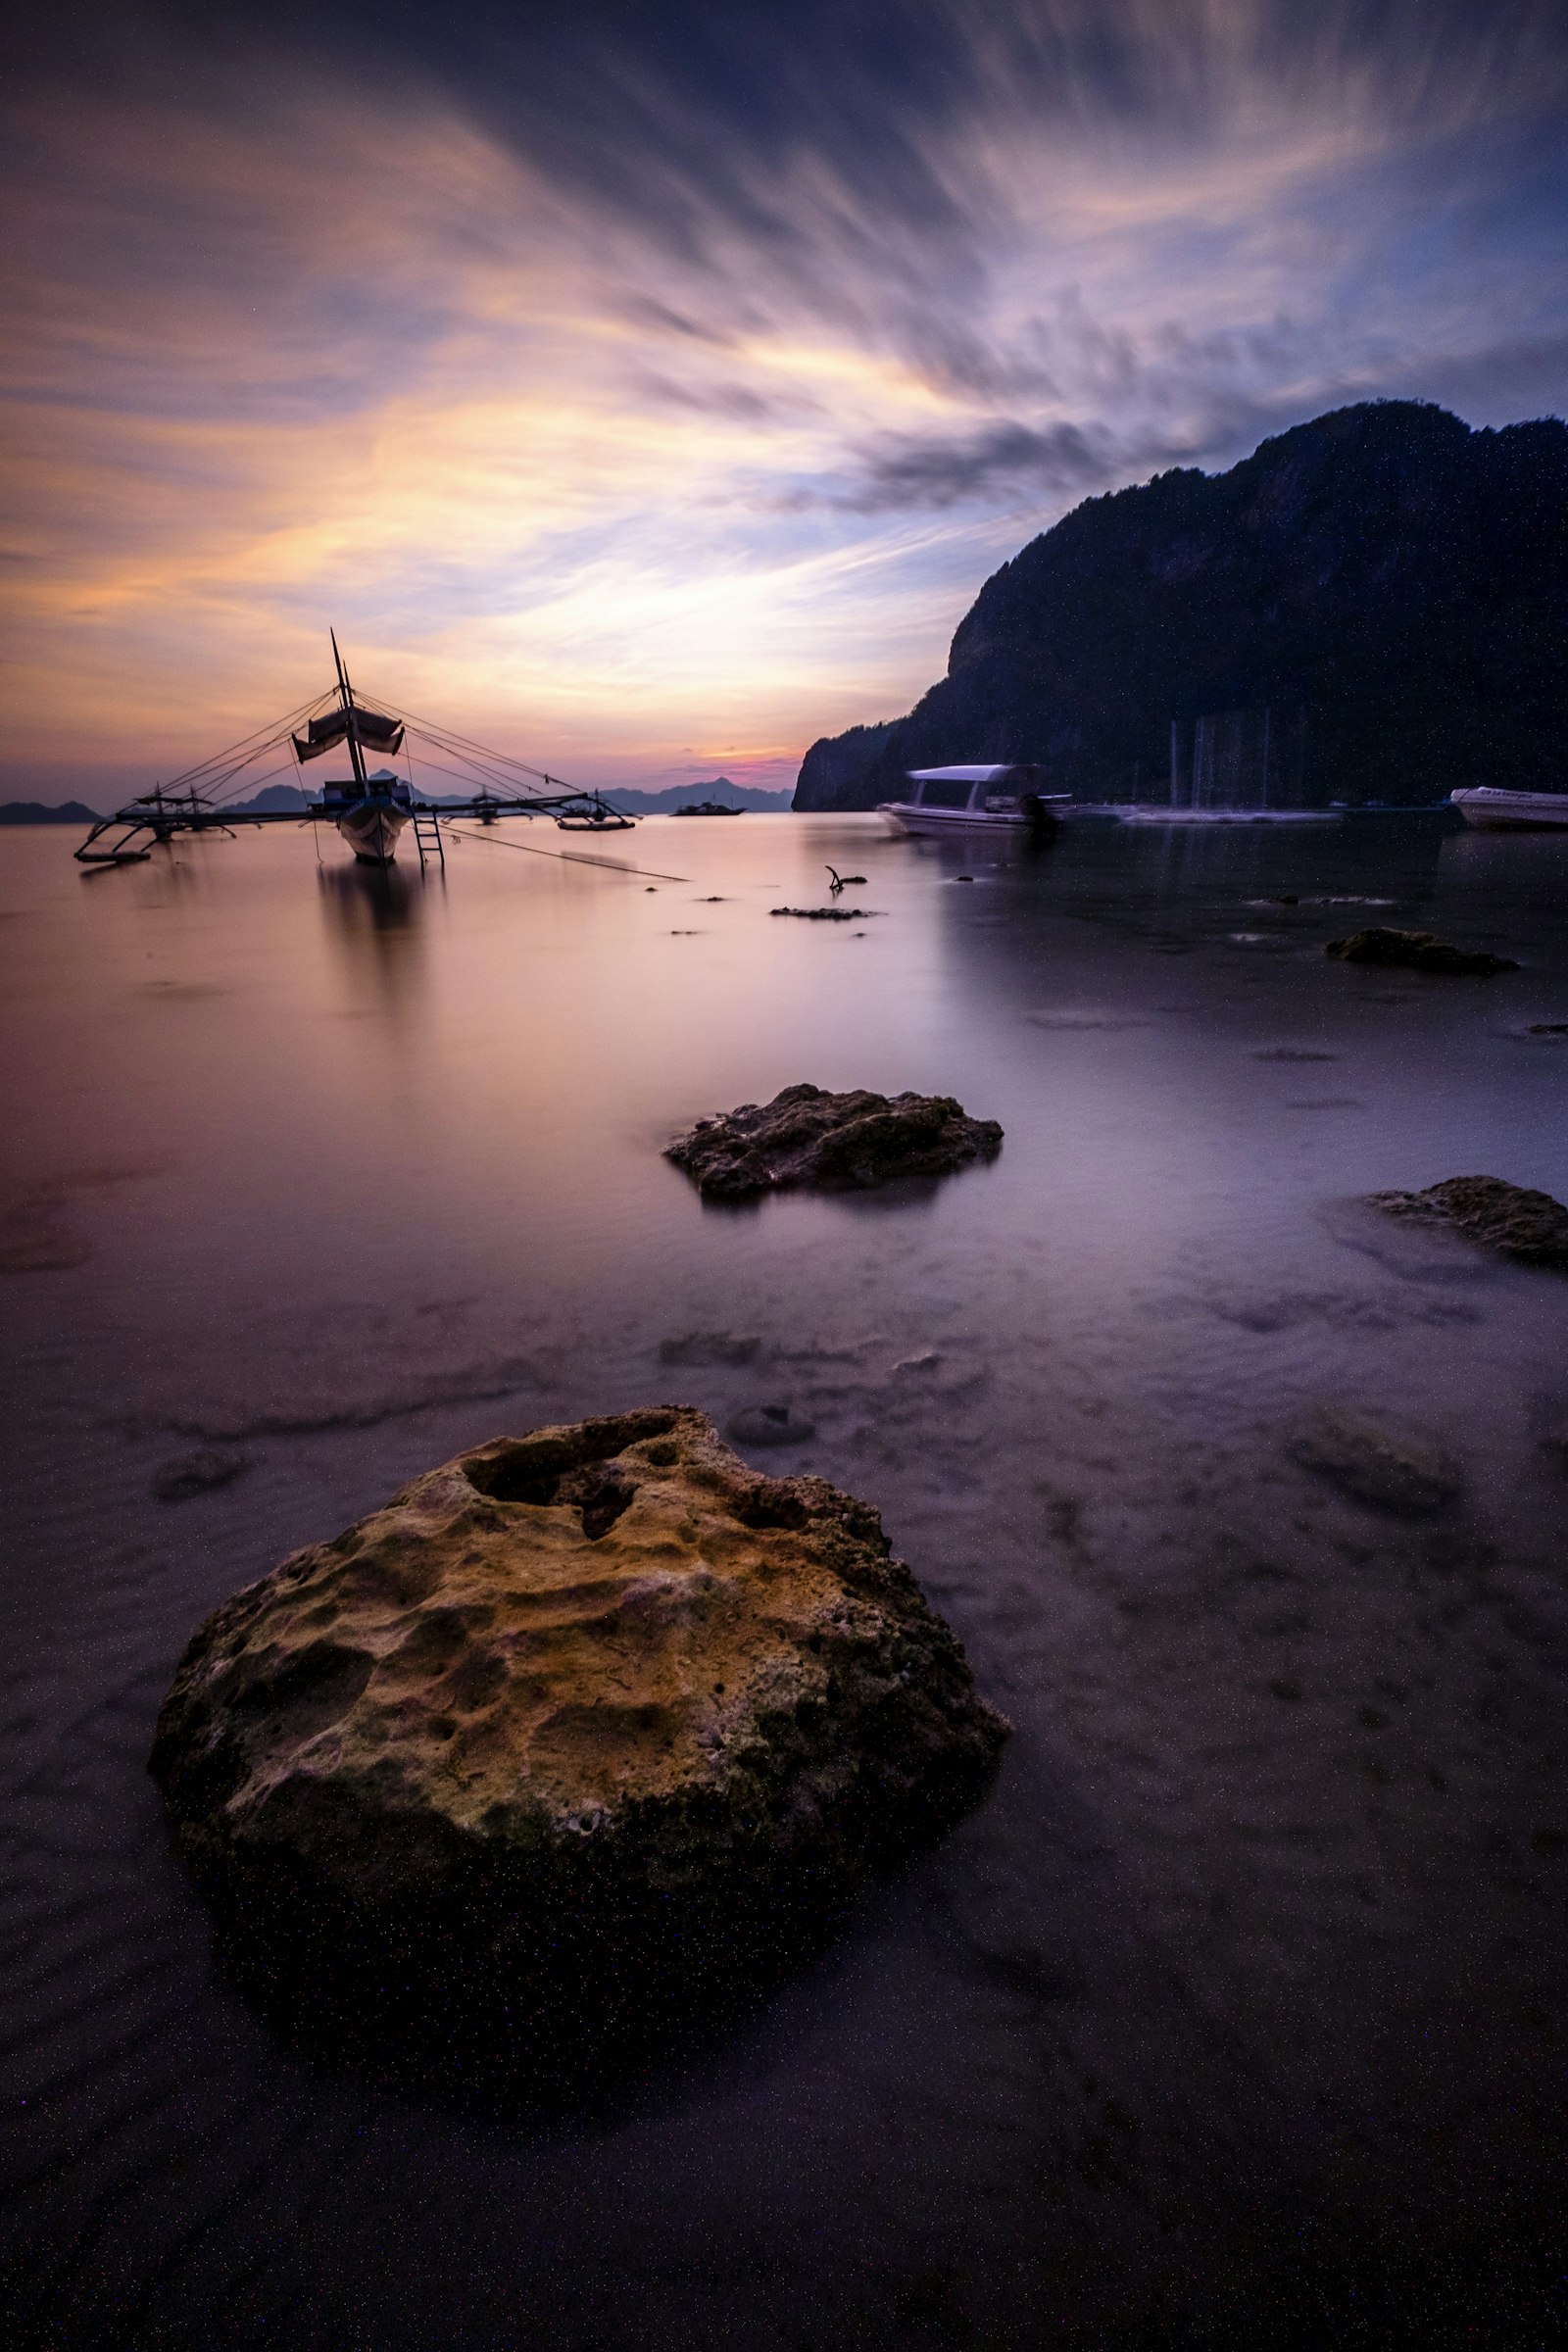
370 808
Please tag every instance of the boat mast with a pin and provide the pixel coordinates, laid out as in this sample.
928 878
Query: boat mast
355 755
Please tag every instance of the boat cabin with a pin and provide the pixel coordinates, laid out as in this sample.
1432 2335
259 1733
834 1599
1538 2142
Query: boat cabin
384 785
997 790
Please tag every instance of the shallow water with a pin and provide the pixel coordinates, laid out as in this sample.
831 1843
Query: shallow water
1236 2013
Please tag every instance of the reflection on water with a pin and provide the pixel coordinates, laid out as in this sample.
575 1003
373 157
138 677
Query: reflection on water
1238 1999
372 899
373 917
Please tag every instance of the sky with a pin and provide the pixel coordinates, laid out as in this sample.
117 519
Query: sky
648 389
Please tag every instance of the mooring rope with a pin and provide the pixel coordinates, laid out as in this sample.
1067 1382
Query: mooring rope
576 856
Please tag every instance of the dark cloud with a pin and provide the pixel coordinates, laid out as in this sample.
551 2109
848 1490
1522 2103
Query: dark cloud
1003 458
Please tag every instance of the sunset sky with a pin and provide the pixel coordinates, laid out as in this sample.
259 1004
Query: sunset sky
648 389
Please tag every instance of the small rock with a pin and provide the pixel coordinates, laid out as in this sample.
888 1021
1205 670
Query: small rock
709 1347
826 914
927 1361
1397 1474
1418 950
1509 1218
770 1425
198 1472
841 1143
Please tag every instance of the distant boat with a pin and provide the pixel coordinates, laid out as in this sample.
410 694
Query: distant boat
710 809
1495 811
1002 798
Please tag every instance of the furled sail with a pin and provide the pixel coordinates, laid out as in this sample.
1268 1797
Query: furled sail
376 733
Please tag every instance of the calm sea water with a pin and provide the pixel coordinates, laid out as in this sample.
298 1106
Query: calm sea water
1236 2013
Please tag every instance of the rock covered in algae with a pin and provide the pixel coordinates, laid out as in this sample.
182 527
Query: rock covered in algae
1417 952
840 1142
1510 1218
599 1705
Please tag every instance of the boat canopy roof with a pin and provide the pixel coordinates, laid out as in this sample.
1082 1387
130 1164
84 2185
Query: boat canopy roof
376 733
967 776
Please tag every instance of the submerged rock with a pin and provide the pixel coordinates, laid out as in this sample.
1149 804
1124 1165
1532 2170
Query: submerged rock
1399 1474
588 1726
771 1425
709 1347
1417 950
1509 1218
842 1143
200 1473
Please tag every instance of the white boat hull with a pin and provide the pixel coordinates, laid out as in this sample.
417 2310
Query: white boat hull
903 816
373 829
1492 811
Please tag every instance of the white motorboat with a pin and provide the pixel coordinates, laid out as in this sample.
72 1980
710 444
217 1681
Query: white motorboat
1006 798
1493 809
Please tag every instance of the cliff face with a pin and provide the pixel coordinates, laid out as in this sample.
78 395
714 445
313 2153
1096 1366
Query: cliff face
1390 585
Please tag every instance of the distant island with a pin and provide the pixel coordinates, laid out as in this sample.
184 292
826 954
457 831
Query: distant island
284 798
1375 600
682 796
35 812
287 800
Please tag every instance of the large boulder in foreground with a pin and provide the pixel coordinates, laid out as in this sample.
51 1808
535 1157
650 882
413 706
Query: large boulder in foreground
1509 1218
1417 952
839 1143
593 1725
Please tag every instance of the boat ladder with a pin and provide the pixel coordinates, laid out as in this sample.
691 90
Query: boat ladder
427 838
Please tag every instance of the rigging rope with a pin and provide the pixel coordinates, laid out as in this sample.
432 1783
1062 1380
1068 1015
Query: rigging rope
572 856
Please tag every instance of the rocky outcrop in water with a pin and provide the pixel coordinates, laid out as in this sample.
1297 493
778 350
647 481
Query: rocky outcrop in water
1384 583
1416 952
839 1143
596 1717
824 914
1403 1475
1529 1226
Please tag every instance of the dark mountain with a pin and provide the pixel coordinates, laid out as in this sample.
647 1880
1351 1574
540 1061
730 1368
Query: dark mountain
1389 586
274 800
35 812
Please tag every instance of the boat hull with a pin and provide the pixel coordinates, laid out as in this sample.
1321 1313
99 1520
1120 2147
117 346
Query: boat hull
1492 811
903 816
373 831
